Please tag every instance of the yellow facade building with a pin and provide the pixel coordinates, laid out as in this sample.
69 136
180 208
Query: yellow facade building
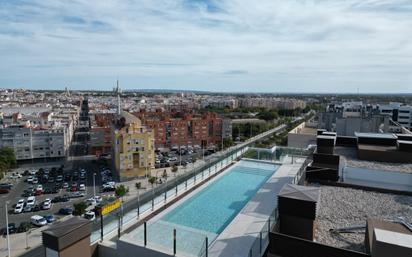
133 147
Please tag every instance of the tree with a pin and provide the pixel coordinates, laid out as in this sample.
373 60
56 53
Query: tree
138 185
227 142
268 115
152 180
174 169
121 190
79 208
7 159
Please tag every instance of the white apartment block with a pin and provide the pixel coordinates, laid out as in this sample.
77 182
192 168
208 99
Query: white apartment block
29 143
399 113
271 103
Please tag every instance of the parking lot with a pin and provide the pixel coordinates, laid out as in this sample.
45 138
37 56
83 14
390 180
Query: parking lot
63 182
184 156
63 186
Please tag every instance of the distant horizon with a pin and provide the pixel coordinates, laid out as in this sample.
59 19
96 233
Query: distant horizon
208 45
165 90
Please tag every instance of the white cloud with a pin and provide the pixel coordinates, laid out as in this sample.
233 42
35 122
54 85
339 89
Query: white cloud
271 45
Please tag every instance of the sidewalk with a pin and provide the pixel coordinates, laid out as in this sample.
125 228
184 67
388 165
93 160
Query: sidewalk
146 186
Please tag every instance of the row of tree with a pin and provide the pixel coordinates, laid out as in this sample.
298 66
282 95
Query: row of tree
7 160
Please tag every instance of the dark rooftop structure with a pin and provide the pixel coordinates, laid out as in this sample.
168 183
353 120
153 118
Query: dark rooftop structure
69 238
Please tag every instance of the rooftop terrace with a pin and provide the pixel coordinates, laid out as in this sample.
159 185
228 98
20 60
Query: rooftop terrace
345 207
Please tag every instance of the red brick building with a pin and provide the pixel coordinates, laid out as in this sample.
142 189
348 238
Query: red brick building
174 129
100 133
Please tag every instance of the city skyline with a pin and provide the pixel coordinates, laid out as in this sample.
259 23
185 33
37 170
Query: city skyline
218 46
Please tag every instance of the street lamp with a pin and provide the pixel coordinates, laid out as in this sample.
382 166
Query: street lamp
7 230
94 185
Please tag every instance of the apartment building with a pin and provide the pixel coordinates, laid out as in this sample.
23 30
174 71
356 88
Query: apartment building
100 133
31 143
133 147
399 113
231 103
272 103
177 129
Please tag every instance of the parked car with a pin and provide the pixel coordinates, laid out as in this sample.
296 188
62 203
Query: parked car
4 191
98 198
46 204
18 209
108 189
20 202
12 229
66 211
77 195
49 218
38 220
36 208
28 208
59 178
90 215
82 187
65 185
31 201
27 193
6 186
32 172
91 201
35 181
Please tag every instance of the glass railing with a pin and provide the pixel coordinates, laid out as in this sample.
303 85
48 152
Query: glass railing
162 194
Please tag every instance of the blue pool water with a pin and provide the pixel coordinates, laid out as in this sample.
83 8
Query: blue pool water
213 208
208 212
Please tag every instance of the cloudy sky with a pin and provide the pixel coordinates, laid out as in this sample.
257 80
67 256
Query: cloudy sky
219 45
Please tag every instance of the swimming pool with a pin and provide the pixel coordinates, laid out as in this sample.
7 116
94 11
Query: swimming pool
208 212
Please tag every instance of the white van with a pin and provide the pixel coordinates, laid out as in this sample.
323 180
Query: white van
38 220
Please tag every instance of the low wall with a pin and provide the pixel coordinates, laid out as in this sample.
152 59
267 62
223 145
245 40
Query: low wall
288 246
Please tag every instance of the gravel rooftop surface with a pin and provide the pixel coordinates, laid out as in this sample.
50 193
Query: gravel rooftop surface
344 207
349 156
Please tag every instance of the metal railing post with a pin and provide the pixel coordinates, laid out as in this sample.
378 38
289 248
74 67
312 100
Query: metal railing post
118 226
174 241
101 227
145 233
207 247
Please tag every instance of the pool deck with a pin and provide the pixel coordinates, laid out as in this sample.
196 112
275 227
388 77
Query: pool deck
240 235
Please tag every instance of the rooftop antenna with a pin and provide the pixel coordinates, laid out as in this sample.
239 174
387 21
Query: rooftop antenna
119 107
